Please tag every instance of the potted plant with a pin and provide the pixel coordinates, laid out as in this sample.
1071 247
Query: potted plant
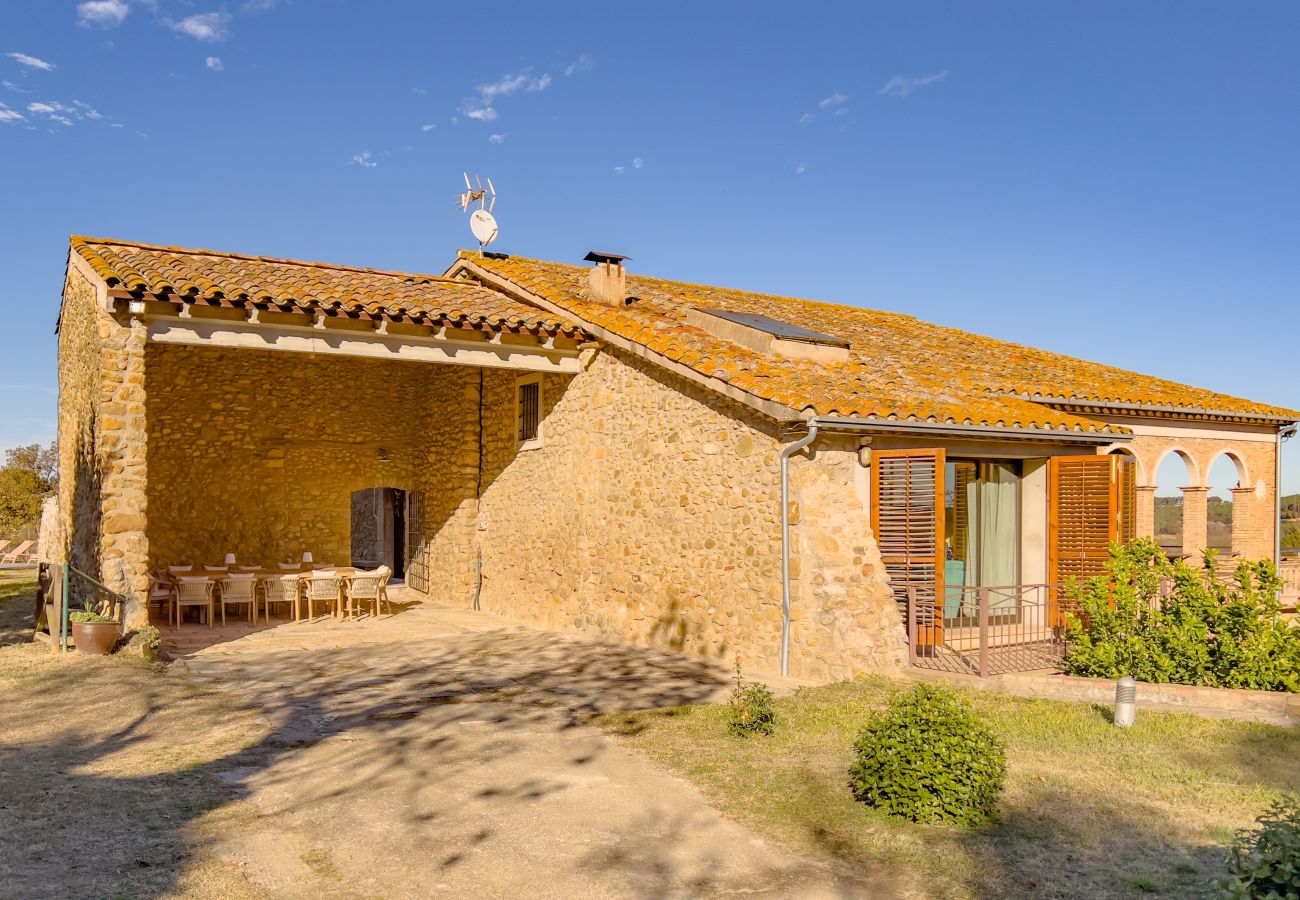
93 633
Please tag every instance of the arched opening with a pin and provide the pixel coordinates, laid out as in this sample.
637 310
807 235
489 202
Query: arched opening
1225 477
1137 463
379 529
1175 471
1227 502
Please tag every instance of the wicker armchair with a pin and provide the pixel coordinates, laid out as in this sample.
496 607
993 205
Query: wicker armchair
237 590
282 589
194 590
367 587
326 586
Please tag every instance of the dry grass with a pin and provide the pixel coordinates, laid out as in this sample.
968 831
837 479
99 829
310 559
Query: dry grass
106 772
1089 810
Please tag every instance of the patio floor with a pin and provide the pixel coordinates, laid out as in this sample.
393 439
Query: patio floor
444 751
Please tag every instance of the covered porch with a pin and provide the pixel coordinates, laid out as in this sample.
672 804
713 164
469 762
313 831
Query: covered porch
236 422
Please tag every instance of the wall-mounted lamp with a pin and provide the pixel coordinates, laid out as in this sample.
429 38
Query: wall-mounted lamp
383 455
136 307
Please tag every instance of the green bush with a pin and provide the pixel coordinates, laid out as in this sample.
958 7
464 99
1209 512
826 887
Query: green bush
1264 862
1206 632
929 758
85 615
751 708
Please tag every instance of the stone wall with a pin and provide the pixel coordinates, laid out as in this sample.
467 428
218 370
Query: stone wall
257 453
651 514
102 447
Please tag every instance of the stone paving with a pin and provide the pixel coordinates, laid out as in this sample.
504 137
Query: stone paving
443 752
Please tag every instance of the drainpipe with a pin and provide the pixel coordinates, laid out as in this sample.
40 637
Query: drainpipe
788 452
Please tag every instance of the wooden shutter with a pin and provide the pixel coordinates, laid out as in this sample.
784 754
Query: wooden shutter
907 518
1092 503
417 559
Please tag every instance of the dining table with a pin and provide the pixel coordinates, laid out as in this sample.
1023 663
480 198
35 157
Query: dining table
261 574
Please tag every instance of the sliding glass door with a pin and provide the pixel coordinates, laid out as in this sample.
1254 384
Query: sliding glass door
982 518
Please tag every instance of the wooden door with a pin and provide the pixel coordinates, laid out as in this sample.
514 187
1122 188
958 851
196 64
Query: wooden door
417 559
1092 503
907 513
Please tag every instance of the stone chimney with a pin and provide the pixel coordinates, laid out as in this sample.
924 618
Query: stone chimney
608 278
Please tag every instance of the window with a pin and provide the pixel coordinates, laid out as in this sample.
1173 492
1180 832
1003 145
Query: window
528 411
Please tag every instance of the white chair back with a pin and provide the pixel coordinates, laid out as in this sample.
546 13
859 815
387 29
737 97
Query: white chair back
237 589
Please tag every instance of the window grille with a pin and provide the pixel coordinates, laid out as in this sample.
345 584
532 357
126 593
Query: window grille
530 396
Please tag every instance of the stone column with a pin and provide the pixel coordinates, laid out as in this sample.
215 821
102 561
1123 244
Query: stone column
1243 537
121 436
1146 510
1194 521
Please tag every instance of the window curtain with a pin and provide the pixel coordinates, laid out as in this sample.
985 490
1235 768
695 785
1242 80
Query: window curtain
997 542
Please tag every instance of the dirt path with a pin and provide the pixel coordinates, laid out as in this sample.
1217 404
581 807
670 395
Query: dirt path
443 753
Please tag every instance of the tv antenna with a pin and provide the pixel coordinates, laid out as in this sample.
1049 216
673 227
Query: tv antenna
481 222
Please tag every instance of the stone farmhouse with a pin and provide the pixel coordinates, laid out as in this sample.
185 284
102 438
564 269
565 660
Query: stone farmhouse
586 449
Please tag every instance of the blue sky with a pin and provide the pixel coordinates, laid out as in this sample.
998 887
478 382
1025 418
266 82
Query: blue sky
1112 180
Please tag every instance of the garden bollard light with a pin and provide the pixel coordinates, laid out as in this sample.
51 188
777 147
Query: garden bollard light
1125 702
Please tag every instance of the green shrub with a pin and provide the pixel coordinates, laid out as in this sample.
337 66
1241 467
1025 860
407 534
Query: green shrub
929 758
148 636
751 708
1206 632
85 615
1264 862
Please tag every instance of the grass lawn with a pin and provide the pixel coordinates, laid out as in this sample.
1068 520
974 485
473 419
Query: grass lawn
105 783
1089 810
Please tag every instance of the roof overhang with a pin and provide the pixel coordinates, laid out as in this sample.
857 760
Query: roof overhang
968 432
229 325
1119 408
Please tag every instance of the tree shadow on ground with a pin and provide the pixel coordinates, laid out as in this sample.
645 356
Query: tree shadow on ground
464 758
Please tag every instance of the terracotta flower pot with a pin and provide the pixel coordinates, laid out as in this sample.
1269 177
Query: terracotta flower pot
96 638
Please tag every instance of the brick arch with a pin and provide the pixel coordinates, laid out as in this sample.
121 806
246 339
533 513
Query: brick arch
1243 473
1194 476
1137 460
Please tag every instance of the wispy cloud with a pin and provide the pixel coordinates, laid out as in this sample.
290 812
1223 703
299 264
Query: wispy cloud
835 99
9 116
902 85
32 62
497 138
801 168
478 113
637 163
482 107
214 63
64 113
259 6
581 64
10 86
103 13
428 127
365 159
807 119
212 26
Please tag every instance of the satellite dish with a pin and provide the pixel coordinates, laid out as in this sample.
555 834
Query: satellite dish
483 226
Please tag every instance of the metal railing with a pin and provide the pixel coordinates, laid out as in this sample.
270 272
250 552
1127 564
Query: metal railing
986 630
60 574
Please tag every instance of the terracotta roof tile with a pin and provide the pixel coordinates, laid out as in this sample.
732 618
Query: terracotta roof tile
900 368
210 274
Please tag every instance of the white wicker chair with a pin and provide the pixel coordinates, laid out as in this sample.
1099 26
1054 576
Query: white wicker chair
282 589
367 587
194 590
324 585
237 590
